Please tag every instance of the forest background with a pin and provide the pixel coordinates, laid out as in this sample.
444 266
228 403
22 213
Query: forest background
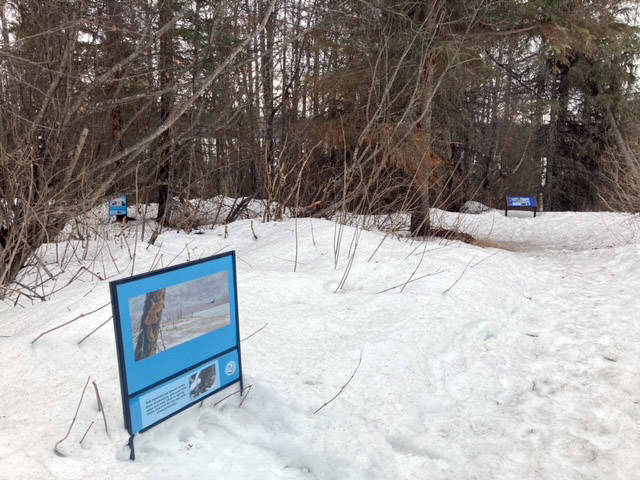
320 106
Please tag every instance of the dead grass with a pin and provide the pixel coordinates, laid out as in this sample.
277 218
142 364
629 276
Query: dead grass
448 234
487 243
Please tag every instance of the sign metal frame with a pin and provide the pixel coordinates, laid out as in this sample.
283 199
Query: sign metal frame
152 385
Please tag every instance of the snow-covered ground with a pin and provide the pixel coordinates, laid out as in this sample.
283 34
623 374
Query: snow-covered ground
517 360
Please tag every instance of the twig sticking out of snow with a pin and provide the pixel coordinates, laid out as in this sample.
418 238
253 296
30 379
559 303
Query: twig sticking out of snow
135 241
94 330
186 247
101 408
254 333
459 277
482 260
403 284
424 250
225 397
244 397
343 386
353 246
244 261
392 230
113 260
378 247
247 389
156 259
86 431
313 239
33 295
80 270
82 315
55 448
295 263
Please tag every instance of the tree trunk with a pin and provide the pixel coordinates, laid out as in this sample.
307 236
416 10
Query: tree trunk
266 73
558 119
147 341
420 220
166 164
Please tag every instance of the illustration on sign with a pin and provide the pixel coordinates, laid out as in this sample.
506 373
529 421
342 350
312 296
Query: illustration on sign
184 312
177 338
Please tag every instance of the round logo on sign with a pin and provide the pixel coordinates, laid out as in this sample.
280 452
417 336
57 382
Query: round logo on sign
230 368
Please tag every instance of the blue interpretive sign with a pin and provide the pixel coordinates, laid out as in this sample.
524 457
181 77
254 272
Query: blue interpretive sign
177 338
521 203
118 206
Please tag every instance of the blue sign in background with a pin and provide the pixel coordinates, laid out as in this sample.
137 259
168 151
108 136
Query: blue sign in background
154 387
522 201
118 206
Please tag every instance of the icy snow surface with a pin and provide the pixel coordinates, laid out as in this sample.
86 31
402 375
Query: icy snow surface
515 360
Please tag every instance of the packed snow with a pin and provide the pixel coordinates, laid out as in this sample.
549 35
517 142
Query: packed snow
516 358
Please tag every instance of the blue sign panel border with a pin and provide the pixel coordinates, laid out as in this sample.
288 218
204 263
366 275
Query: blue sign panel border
181 363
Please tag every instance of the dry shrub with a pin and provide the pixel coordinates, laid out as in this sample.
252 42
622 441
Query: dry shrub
488 243
619 188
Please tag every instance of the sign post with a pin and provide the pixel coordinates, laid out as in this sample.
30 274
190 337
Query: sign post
177 338
521 203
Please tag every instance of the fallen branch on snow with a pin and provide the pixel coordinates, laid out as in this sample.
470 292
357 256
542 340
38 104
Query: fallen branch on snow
343 386
254 333
82 315
94 330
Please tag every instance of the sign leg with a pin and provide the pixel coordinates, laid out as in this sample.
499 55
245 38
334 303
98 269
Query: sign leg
132 450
